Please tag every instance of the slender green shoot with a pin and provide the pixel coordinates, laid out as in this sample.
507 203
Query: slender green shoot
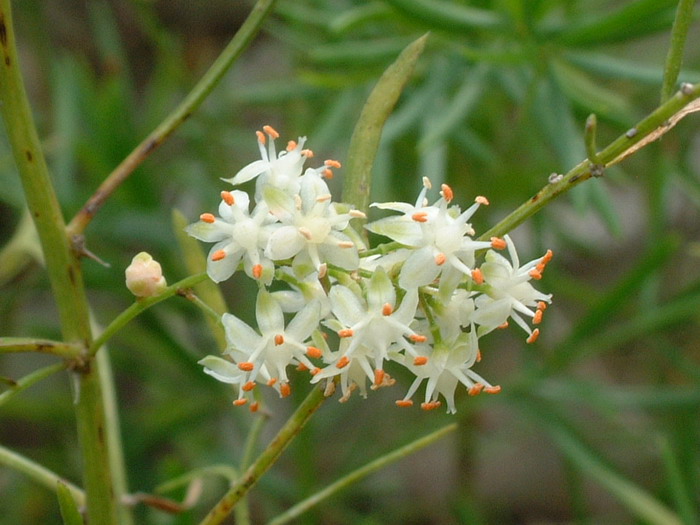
364 471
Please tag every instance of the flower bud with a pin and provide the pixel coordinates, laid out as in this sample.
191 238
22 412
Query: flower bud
144 276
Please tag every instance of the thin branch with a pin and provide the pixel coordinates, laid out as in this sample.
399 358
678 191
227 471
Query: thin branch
140 306
38 473
674 58
44 346
211 78
649 129
269 456
360 473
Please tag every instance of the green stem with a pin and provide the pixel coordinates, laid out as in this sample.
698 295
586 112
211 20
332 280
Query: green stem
241 511
360 473
30 379
64 271
194 99
196 262
115 446
674 58
616 151
38 473
273 451
44 346
141 305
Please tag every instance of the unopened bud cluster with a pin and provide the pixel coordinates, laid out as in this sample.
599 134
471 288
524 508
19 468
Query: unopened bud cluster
420 301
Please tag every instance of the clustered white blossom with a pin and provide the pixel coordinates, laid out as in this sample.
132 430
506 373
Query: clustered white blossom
345 312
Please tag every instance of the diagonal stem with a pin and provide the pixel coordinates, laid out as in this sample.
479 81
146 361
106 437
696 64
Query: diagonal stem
211 78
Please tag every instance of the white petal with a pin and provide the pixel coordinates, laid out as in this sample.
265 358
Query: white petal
249 172
223 269
280 202
304 322
208 232
239 335
400 229
284 243
420 269
268 314
347 307
222 370
380 290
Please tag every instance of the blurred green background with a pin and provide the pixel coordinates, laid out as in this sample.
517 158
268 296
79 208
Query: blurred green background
598 422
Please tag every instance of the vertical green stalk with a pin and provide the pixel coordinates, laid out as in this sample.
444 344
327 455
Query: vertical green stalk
63 267
674 58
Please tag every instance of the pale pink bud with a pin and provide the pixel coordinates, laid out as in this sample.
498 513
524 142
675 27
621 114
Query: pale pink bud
144 276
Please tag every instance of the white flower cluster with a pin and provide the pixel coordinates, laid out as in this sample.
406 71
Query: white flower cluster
420 301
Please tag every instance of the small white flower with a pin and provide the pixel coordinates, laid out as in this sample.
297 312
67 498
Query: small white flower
281 171
509 293
311 229
270 352
443 368
238 235
440 236
375 323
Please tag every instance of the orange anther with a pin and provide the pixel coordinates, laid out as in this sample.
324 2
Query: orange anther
430 406
332 163
345 333
535 274
254 407
272 381
420 360
482 200
291 145
279 339
227 197
250 385
417 338
285 389
378 377
342 362
218 255
542 306
327 173
312 351
447 192
492 389
315 371
404 403
533 336
271 131
440 259
478 356
261 137
207 217
476 389
240 402
503 325
547 256
257 271
387 309
302 367
478 276
498 244
420 216
307 153
537 319
246 366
